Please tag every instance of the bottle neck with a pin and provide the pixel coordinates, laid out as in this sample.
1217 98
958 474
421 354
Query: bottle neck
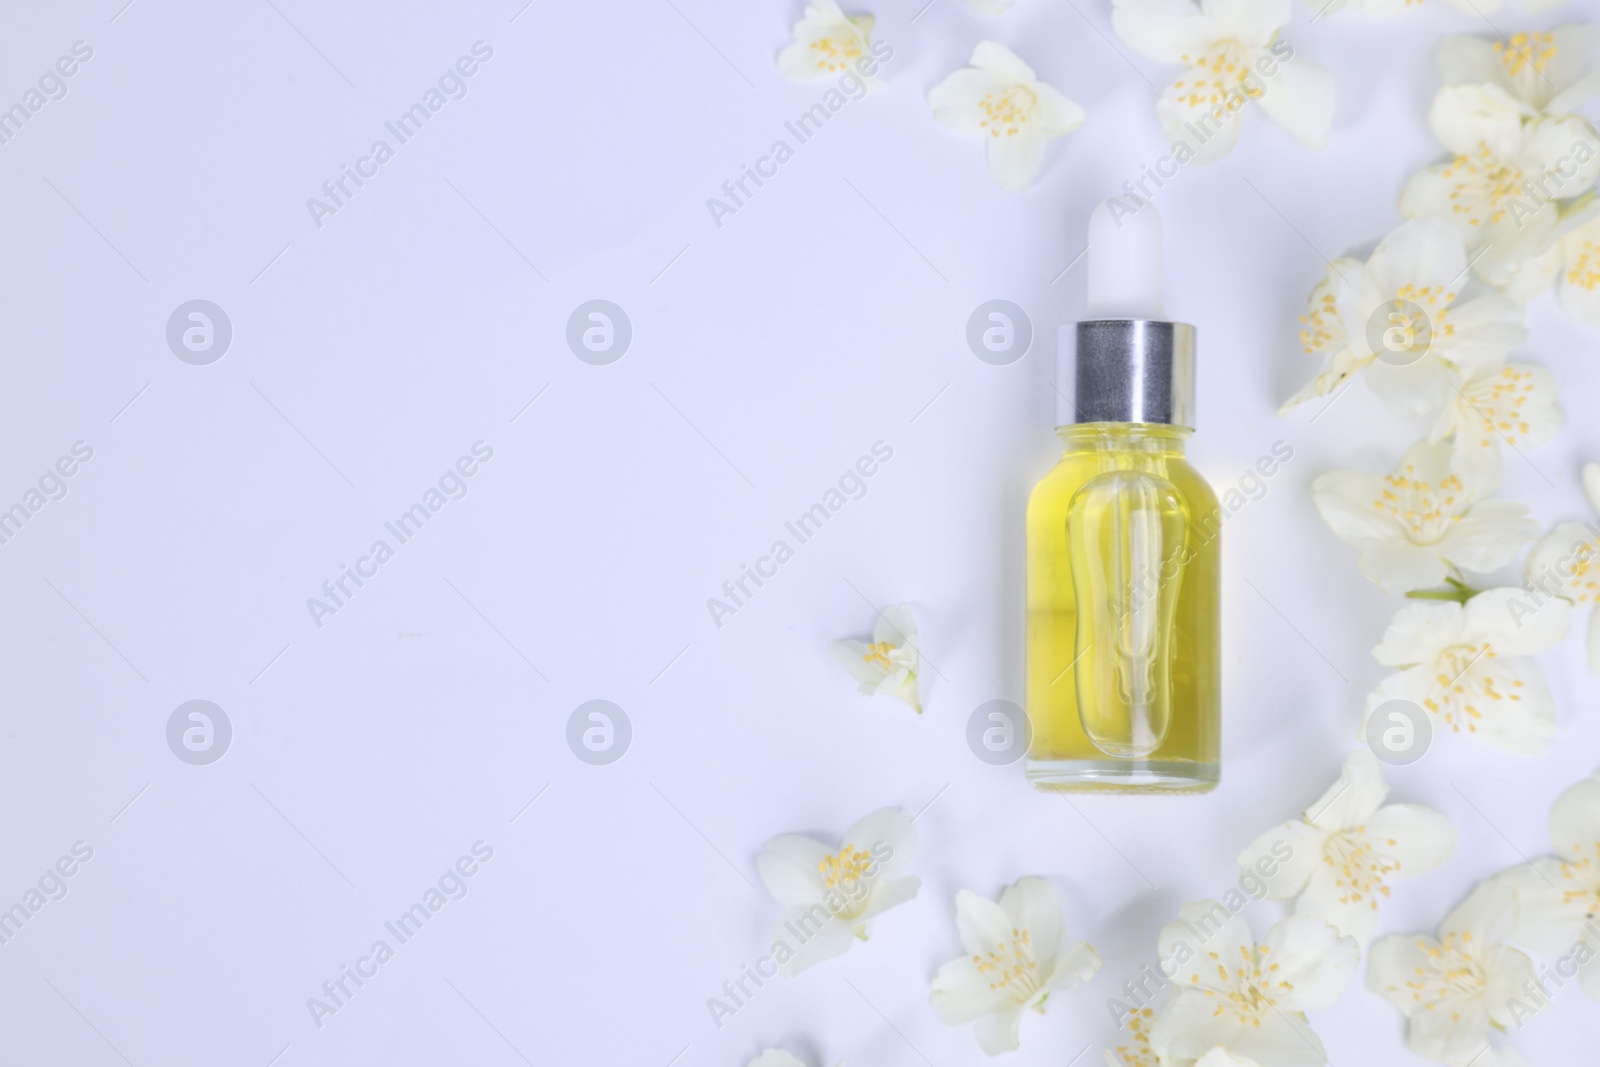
1152 438
1125 370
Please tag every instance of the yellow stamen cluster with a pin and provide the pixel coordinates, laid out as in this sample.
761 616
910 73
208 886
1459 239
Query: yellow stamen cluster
1006 113
878 652
1215 76
1252 988
1582 584
1498 403
835 52
1583 268
1360 870
1137 1053
1528 51
1010 966
1481 186
1451 978
1425 510
1465 680
849 864
1582 880
1435 301
1317 331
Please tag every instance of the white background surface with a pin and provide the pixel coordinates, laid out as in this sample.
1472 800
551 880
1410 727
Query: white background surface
768 354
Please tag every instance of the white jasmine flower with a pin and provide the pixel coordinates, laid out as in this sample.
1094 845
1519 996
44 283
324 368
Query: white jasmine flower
1017 952
1514 404
1558 898
1469 665
829 894
1566 563
1345 850
1249 999
1403 320
889 664
1413 526
1550 72
1322 335
1454 988
999 96
1428 353
1232 56
827 43
1510 166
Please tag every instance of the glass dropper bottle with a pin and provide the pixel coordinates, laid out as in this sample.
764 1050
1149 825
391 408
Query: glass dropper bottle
1123 651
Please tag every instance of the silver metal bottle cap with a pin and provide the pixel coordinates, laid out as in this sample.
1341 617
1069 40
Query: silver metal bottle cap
1126 370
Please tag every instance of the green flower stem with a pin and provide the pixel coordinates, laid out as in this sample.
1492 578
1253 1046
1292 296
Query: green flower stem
1459 592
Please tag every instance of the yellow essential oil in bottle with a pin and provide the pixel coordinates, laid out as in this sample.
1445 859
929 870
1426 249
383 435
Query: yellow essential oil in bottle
1123 652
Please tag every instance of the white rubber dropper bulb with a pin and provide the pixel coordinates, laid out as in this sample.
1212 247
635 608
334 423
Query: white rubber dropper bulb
1124 262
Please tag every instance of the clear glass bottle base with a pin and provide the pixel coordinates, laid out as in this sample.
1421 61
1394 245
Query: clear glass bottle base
1122 776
